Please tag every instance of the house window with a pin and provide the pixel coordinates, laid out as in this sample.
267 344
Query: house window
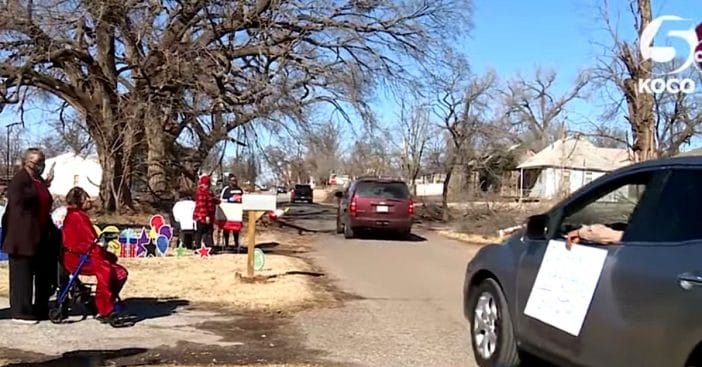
76 180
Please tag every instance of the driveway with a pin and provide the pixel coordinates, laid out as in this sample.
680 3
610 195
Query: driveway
408 305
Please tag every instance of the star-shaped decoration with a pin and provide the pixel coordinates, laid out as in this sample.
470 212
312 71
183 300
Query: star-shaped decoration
180 250
150 249
204 251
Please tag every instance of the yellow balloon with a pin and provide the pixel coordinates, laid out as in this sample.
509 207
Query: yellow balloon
153 234
114 247
111 229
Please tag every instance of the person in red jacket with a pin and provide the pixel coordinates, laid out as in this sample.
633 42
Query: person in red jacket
204 213
79 237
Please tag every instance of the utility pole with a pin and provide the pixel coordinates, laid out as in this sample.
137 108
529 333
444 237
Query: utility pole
7 152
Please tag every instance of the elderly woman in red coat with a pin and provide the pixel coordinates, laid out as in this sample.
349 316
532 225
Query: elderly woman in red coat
79 237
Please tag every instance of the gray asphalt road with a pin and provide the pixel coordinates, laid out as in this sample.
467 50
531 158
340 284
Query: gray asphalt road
410 311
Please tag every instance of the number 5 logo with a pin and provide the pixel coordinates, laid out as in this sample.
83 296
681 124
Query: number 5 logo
664 54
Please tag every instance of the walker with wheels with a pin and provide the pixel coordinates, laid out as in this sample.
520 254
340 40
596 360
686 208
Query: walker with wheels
75 292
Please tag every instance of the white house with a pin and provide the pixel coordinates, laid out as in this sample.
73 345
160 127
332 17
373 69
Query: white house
74 170
566 165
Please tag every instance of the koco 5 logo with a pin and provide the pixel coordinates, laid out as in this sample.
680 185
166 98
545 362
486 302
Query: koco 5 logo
667 54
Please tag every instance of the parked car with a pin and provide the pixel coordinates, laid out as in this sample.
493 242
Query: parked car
645 307
281 190
302 193
375 203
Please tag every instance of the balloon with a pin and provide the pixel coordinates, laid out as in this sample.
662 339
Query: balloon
156 221
162 244
114 247
153 234
166 231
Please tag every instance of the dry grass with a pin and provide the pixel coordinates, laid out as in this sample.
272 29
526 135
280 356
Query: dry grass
471 238
213 280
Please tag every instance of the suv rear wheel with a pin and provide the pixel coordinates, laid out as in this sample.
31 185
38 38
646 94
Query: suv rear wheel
348 232
493 340
339 226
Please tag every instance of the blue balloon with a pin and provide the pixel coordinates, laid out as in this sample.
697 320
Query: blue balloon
162 244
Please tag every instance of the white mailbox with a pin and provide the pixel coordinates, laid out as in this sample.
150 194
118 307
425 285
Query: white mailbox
259 202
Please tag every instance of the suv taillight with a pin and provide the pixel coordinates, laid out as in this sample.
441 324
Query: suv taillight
353 207
410 208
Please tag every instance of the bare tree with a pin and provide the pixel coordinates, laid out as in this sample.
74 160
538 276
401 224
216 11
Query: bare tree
622 67
142 73
535 109
462 103
369 155
322 144
417 132
659 123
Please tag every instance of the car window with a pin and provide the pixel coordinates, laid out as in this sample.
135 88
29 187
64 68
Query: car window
675 215
387 190
612 204
303 188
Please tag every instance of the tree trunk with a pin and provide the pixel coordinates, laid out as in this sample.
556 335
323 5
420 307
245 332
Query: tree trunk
115 192
444 194
641 105
157 159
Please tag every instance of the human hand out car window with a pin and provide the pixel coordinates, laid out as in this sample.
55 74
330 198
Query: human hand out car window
598 233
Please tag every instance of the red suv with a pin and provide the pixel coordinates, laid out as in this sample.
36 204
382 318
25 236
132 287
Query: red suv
377 204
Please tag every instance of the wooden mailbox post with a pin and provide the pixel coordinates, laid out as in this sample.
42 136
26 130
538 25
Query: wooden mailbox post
256 205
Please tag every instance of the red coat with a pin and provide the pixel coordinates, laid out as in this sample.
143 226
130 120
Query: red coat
205 205
79 237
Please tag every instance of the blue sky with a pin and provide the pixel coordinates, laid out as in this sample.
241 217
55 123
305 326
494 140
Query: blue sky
510 37
514 37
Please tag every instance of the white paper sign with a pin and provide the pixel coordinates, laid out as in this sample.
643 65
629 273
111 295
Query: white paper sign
564 285
261 202
232 212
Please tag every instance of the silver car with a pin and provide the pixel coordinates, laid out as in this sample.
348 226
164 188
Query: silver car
645 309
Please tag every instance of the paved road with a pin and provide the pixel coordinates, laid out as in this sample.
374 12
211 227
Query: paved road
410 311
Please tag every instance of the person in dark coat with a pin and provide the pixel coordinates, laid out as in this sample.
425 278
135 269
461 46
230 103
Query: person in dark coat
30 240
231 193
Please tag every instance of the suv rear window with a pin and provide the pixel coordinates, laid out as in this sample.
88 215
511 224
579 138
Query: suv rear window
387 190
303 188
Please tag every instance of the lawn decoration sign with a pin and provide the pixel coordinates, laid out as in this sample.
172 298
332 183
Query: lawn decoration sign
150 242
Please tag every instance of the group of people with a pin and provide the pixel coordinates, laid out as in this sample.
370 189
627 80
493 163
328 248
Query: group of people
41 255
198 218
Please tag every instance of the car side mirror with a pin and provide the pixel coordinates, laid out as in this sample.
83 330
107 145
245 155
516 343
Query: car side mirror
536 227
339 194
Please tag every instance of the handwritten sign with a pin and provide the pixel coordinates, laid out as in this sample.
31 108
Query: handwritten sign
230 212
564 285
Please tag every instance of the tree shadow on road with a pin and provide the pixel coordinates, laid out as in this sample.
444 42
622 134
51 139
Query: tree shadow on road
83 358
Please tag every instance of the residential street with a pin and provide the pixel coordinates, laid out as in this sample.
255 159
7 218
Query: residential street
410 307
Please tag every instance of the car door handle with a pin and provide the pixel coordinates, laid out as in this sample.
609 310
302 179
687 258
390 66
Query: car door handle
689 280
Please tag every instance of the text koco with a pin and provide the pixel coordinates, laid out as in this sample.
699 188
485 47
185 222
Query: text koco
670 85
664 56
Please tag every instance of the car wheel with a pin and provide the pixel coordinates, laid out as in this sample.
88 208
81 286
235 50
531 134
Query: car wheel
493 340
348 232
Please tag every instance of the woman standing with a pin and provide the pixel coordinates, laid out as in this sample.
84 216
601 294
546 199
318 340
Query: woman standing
30 240
231 193
204 214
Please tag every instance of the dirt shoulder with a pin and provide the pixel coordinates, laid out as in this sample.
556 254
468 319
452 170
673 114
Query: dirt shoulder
190 311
